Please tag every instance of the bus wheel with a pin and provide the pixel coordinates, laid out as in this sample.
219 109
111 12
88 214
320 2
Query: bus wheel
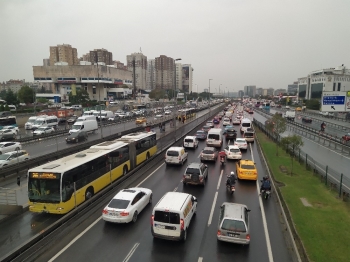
125 170
89 193
147 156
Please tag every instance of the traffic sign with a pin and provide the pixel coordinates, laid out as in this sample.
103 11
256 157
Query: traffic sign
347 102
333 101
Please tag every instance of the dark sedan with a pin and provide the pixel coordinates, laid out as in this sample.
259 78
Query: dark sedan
216 121
306 119
72 120
231 134
4 137
77 137
201 135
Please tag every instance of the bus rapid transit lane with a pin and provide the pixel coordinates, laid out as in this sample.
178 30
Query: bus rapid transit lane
201 241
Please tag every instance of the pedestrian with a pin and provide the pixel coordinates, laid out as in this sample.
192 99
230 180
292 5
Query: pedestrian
18 180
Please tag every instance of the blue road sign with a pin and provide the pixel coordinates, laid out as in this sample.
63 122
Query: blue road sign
333 100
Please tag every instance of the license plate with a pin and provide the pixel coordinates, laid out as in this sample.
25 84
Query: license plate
231 235
114 214
160 226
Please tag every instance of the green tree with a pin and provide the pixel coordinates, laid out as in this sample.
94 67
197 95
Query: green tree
2 108
11 98
295 142
3 94
26 94
157 94
313 104
42 100
81 97
277 125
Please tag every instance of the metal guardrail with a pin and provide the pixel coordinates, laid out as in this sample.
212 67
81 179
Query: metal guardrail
330 177
38 244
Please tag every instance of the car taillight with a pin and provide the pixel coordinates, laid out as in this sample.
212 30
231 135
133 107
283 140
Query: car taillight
152 220
179 157
182 224
105 211
248 237
219 233
124 213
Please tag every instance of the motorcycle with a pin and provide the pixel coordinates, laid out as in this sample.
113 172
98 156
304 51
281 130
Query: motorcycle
222 160
230 189
266 193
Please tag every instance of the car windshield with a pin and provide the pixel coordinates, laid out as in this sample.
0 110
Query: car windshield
76 127
240 141
189 140
192 171
4 156
172 153
248 167
246 124
235 150
233 225
167 217
214 136
46 190
31 121
119 203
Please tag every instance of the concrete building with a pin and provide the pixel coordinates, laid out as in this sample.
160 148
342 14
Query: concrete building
151 74
259 91
270 91
279 91
250 91
101 82
13 85
292 89
331 79
46 62
179 76
165 70
187 82
63 53
101 56
240 93
138 62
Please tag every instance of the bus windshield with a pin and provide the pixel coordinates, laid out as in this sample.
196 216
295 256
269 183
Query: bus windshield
44 190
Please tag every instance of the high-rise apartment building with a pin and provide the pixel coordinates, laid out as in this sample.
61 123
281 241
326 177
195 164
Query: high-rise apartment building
250 91
101 56
137 62
179 76
270 91
63 53
187 78
292 89
259 91
164 72
151 74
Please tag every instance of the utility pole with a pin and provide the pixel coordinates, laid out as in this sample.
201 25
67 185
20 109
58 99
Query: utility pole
134 76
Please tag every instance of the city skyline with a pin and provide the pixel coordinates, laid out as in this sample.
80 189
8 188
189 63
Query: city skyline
235 43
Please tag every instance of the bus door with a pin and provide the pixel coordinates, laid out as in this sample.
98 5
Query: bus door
132 155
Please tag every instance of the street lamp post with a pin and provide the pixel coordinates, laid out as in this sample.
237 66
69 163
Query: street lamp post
219 89
209 96
175 98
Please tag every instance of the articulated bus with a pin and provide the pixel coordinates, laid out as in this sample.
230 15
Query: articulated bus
187 113
59 186
266 106
7 121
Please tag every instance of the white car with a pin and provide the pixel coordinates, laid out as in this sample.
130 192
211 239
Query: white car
8 131
9 147
43 130
167 112
210 123
236 121
14 157
158 116
226 122
13 128
127 204
241 143
233 152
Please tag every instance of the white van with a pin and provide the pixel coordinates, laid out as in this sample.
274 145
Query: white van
76 107
176 155
29 124
87 126
87 117
190 142
172 215
245 123
89 113
105 115
45 120
215 137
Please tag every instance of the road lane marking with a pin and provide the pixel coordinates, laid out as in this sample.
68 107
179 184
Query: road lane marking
200 259
212 208
217 188
175 189
126 259
75 239
149 175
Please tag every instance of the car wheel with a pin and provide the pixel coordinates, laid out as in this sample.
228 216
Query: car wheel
134 217
185 236
150 199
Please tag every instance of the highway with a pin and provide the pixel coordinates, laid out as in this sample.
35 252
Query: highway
102 241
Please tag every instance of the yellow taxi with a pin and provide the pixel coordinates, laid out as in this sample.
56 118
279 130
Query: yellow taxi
298 109
141 120
246 169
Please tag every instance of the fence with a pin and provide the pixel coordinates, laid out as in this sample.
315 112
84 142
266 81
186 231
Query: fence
331 178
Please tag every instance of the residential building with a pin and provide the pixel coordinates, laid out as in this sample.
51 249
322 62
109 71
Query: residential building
270 91
151 74
277 92
187 77
63 53
164 72
292 89
259 91
101 56
331 79
241 93
46 62
250 91
137 64
179 76
13 85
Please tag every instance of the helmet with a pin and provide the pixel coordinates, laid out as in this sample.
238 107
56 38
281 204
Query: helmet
232 173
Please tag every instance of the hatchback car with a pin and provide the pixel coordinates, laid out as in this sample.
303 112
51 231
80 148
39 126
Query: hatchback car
241 143
226 122
236 121
246 169
14 157
127 205
43 130
9 146
233 152
231 134
76 137
209 154
201 135
210 123
8 132
13 128
72 120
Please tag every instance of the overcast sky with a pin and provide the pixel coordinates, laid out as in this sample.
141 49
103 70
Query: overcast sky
267 43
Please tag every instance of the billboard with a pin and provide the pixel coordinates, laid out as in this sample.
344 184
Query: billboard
333 101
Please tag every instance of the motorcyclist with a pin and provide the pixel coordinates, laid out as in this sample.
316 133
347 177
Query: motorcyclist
231 179
323 126
266 184
222 155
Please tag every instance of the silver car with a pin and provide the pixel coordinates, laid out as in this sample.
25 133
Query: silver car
209 154
12 158
9 146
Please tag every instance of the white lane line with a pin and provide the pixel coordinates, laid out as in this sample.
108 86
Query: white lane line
267 236
126 259
217 188
149 175
212 208
175 189
251 150
75 239
199 155
200 259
